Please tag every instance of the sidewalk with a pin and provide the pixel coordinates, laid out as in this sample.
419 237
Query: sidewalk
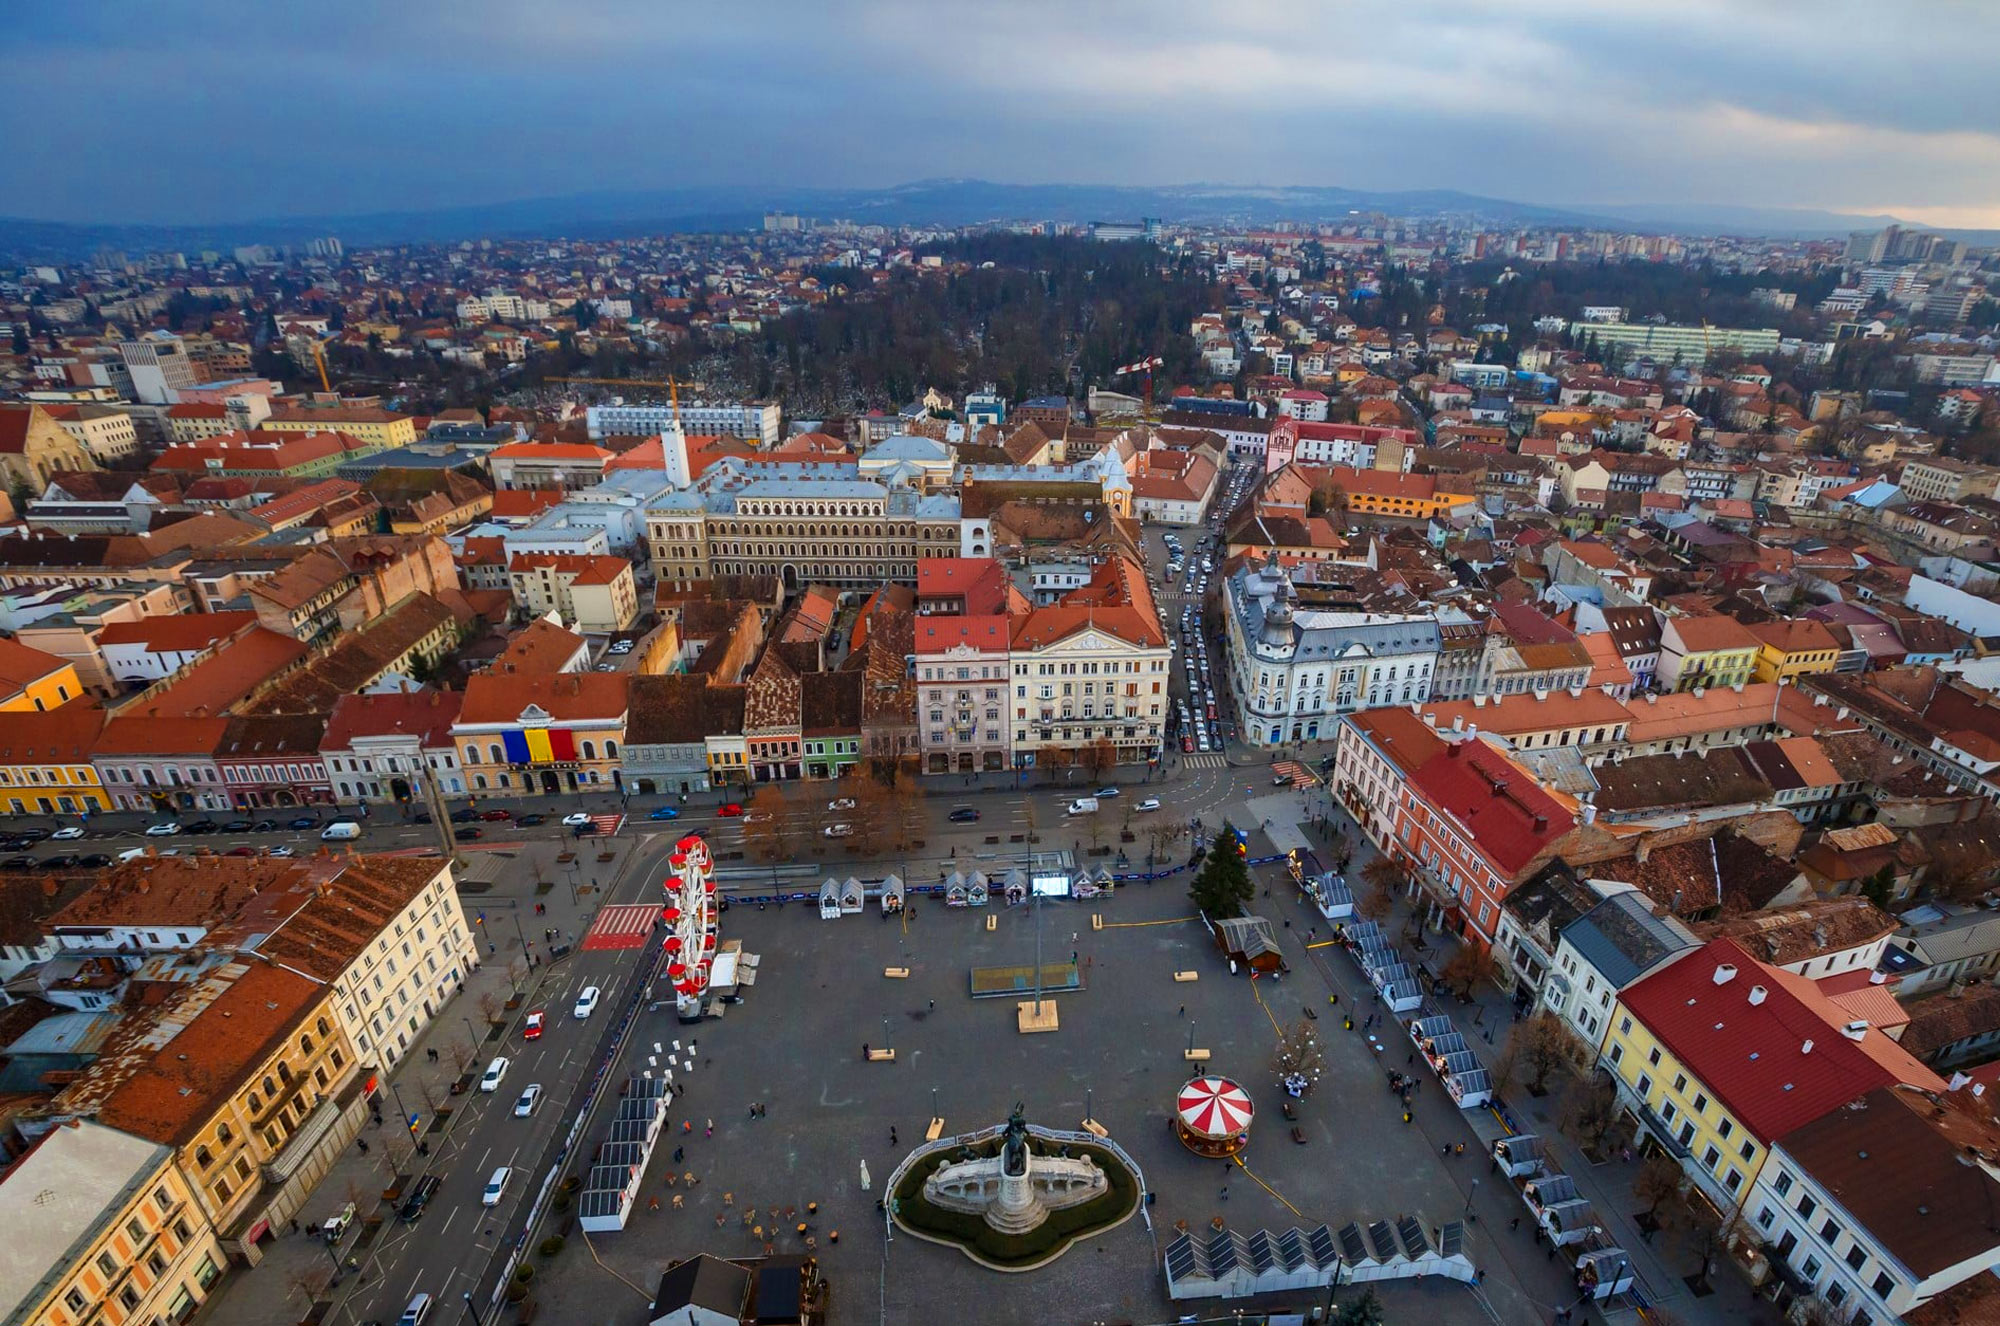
1486 1021
299 1267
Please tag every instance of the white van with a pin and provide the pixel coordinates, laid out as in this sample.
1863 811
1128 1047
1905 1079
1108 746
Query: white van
413 1315
1083 806
340 831
494 1072
496 1186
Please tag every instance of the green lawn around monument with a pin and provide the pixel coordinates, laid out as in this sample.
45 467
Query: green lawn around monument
1118 1201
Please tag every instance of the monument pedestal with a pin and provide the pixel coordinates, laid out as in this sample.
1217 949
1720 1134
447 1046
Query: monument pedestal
1029 1018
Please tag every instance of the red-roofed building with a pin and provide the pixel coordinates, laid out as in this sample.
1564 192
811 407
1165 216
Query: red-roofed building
962 689
1473 826
161 763
1718 1055
1093 668
590 593
380 748
964 586
526 735
565 466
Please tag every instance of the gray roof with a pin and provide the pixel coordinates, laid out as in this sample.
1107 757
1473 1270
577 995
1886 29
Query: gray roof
1317 634
1969 934
705 1282
1623 940
58 1199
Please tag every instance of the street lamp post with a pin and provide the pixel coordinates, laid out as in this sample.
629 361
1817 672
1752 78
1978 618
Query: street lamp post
470 1032
472 1311
1470 1218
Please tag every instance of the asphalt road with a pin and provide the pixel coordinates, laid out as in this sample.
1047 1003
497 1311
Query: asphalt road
457 1244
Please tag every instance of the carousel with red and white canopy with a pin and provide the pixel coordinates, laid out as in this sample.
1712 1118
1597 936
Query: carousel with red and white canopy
692 923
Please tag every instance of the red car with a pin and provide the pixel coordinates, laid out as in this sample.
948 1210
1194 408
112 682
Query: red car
532 1028
731 809
241 851
496 815
1187 745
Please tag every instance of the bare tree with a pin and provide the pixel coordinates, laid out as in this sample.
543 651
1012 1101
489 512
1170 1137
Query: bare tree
1590 1108
1657 1182
1376 901
767 823
1386 873
489 1005
873 816
1299 1057
309 1282
1465 969
1543 1045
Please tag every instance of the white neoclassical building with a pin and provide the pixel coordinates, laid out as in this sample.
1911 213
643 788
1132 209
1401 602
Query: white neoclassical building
1295 668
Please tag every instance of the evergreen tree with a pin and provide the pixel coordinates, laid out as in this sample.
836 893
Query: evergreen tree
1363 1311
1223 886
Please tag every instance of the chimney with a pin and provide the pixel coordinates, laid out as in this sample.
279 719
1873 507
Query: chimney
1651 698
1725 973
1758 994
1589 813
1806 1048
1856 1029
1644 850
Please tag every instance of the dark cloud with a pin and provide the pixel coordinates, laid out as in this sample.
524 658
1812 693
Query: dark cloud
212 109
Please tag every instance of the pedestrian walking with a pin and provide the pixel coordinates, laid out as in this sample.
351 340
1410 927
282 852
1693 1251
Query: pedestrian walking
679 1153
892 1135
864 1051
1513 1224
1225 1192
363 1144
710 1131
933 1006
1183 1010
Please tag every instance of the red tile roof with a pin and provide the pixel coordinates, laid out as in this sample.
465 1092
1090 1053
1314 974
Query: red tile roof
566 697
1509 817
1754 1057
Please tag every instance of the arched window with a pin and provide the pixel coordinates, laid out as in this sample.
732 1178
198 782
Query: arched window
203 1158
589 750
610 750
471 753
494 753
479 781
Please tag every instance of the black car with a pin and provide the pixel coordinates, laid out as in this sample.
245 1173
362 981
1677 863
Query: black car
264 826
529 820
94 861
19 863
964 815
421 817
62 861
238 826
200 826
13 842
466 816
419 1198
467 833
31 835
304 822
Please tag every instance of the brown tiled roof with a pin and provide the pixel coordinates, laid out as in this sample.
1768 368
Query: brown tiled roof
830 703
1650 782
342 916
168 891
64 735
1944 1019
170 1095
356 659
1804 930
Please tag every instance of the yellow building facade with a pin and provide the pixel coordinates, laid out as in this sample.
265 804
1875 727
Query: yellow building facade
108 1229
45 766
31 680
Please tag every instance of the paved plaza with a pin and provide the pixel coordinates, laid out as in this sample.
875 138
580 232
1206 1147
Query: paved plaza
795 1046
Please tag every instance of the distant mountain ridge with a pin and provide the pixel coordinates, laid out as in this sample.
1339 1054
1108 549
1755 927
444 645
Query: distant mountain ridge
943 202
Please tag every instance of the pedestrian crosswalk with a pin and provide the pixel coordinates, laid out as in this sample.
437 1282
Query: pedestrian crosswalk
1212 760
624 925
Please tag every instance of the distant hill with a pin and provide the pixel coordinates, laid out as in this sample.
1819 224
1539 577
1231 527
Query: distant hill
944 202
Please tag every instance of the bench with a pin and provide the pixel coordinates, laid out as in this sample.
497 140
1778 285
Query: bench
897 973
881 1056
1183 977
1195 1056
935 1131
1095 1129
1298 1135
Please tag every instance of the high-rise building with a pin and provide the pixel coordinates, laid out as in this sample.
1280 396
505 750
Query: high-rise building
160 368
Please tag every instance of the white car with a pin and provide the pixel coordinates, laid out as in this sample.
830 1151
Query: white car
494 1072
164 829
1150 803
67 834
575 821
838 830
530 1099
280 850
496 1187
586 1003
841 803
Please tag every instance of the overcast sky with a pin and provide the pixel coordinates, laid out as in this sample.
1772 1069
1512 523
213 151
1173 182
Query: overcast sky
196 110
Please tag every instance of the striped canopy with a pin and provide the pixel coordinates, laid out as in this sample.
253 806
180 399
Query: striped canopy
1214 1107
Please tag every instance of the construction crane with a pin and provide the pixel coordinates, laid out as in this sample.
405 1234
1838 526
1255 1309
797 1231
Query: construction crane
320 359
1145 366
